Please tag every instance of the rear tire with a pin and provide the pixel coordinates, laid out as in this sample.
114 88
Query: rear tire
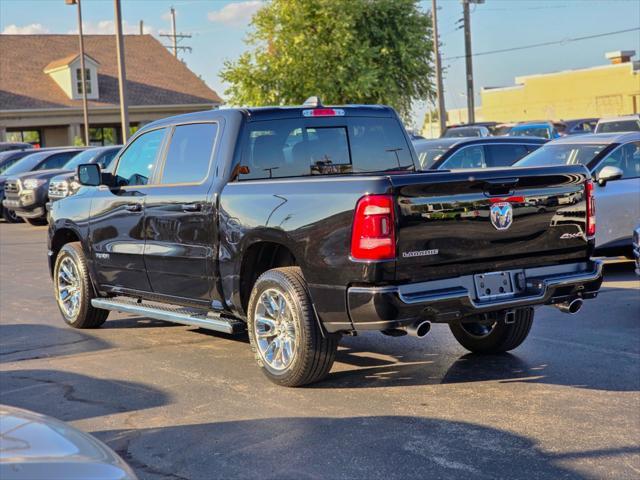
74 290
498 337
10 216
287 341
36 222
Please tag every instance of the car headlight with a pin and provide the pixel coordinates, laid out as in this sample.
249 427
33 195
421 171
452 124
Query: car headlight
33 183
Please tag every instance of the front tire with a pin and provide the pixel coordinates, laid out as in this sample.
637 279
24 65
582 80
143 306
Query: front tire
496 337
287 341
74 290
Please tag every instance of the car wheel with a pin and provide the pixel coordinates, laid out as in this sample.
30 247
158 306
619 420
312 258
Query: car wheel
74 290
10 216
36 222
288 343
495 337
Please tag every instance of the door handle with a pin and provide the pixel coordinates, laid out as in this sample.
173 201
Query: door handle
192 207
133 207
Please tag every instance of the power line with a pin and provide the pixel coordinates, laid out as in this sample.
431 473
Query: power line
176 37
545 44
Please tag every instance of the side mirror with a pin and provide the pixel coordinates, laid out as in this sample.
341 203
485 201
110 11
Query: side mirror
609 173
89 174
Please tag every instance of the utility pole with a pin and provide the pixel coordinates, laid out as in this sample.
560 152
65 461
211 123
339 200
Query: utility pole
442 114
122 74
141 27
83 74
466 17
175 37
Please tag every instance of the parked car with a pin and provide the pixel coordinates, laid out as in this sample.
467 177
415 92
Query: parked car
454 153
7 146
40 159
38 447
534 129
628 123
614 162
9 157
65 184
579 126
301 224
466 131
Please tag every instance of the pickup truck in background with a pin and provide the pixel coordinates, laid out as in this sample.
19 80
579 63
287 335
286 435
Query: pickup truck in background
303 224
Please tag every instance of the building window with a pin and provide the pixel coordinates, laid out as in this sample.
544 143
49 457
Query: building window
103 136
28 136
87 81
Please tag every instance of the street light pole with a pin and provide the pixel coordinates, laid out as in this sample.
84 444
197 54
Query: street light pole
471 114
83 72
442 114
122 75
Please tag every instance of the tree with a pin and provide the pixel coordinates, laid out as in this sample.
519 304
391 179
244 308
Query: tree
345 51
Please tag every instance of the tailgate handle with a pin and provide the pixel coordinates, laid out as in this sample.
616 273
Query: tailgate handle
133 207
500 186
192 207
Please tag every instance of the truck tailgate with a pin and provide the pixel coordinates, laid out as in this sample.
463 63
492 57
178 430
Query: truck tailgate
473 221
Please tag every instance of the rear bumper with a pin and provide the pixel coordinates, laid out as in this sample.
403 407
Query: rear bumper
448 300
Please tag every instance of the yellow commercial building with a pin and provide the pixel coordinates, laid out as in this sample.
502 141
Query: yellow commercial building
605 90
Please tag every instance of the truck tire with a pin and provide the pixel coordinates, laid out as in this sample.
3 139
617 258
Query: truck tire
74 290
285 336
10 216
496 338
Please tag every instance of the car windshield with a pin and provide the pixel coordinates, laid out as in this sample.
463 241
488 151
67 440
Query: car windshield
462 132
430 152
86 156
561 154
542 132
619 126
26 164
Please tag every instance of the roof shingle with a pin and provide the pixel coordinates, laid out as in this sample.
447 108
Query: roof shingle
154 76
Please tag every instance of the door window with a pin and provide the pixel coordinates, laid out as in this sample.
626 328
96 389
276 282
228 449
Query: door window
504 155
189 153
466 157
626 158
137 163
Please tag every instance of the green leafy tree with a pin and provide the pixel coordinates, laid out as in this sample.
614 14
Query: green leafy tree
345 51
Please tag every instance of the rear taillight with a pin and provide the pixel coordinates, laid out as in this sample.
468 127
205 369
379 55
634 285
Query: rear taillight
373 236
591 208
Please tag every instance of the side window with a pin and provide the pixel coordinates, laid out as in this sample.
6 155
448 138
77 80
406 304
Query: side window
626 158
138 161
189 153
57 160
504 155
107 158
466 157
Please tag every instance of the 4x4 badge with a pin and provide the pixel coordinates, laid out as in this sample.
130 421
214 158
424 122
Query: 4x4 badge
501 215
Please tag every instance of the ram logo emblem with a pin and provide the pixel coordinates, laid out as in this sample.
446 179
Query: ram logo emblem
501 215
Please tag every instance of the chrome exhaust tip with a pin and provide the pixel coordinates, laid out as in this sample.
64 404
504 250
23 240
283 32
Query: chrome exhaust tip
571 307
419 329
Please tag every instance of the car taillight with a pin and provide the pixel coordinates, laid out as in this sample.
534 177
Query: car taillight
373 236
591 208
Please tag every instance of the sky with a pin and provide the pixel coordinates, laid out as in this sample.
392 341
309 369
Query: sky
218 29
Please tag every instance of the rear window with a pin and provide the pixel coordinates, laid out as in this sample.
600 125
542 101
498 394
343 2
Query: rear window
324 146
619 126
541 132
504 155
562 154
462 132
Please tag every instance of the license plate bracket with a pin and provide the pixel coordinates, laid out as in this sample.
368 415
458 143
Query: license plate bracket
493 285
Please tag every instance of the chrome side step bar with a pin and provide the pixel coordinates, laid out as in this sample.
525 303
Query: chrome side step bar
171 313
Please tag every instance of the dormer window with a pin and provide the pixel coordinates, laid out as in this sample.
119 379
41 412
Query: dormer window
67 73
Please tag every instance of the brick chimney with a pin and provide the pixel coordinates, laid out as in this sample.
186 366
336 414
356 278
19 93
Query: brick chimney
620 56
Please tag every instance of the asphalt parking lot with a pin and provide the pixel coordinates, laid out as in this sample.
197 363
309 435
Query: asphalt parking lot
181 403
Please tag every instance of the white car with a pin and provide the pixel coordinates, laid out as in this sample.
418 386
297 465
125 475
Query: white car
627 123
614 163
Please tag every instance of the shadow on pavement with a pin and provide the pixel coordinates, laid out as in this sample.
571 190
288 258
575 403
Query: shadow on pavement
386 447
30 341
70 396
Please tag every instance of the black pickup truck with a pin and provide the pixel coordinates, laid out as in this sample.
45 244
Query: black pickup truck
307 223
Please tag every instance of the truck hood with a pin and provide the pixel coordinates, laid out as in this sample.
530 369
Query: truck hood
64 176
40 174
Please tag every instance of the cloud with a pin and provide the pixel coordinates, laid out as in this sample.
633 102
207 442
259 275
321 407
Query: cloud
107 27
236 13
31 29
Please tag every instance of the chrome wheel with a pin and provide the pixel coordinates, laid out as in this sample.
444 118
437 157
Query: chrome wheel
275 330
478 330
69 287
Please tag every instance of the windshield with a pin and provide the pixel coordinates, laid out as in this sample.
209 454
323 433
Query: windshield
86 156
25 165
561 154
430 152
542 132
619 126
462 132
